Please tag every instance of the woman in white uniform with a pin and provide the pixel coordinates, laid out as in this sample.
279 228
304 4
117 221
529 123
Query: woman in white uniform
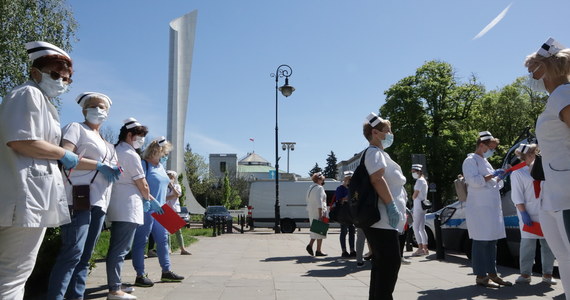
419 214
33 196
388 180
316 207
126 210
483 210
525 194
549 70
92 180
174 192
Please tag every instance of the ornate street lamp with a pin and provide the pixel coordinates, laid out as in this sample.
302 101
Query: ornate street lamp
286 90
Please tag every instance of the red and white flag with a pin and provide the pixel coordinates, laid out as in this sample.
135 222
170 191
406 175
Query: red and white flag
251 139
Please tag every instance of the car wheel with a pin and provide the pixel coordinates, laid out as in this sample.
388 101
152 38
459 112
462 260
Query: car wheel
288 225
431 238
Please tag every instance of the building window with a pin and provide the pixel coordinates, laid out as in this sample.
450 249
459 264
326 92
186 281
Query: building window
223 166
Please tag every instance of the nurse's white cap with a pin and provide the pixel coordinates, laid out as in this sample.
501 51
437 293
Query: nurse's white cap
348 173
417 167
38 49
551 47
485 135
130 123
523 148
161 141
83 97
373 119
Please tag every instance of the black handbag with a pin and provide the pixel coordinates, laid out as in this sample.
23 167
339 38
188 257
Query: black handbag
536 171
340 213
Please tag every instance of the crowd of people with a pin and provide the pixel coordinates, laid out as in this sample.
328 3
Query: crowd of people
96 181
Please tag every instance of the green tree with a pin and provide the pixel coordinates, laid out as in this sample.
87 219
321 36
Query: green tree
426 111
24 21
230 196
330 170
315 169
204 187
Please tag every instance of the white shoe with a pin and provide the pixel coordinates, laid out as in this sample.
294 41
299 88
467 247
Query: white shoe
405 261
522 279
127 289
549 280
124 296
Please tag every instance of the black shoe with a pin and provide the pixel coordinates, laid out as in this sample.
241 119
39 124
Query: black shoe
352 254
171 277
310 250
143 281
319 253
360 264
345 254
369 257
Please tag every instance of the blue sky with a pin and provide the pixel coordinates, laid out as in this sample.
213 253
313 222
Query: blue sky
344 55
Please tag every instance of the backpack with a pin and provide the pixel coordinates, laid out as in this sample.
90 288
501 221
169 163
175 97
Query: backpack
460 188
362 197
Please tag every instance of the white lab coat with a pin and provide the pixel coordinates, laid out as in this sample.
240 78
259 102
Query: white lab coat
483 210
522 192
316 198
32 189
554 141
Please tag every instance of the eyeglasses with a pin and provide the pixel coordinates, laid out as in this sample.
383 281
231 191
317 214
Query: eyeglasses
56 76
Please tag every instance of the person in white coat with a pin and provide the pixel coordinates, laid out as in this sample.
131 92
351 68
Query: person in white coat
525 194
33 196
316 208
419 214
483 210
549 71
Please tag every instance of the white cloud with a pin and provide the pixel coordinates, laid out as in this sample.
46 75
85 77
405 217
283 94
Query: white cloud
493 23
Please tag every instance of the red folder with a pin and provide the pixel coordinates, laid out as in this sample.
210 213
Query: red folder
170 219
535 229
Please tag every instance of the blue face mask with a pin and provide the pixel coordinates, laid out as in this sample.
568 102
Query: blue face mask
164 159
387 142
488 153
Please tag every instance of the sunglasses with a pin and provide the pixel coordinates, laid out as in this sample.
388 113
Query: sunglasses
56 76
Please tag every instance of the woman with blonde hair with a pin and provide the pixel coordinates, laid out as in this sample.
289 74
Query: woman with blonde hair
549 71
316 207
154 159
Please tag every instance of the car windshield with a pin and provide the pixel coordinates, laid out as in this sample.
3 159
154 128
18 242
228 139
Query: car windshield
217 210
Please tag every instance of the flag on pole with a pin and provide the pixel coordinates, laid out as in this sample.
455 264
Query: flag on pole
251 139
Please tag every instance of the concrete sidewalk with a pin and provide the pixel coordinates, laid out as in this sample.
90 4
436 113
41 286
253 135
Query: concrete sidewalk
261 265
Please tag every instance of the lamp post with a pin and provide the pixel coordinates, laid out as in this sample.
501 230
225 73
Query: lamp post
288 146
286 90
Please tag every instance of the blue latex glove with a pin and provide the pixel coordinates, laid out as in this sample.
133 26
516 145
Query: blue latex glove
146 205
155 206
500 173
69 160
526 218
111 173
393 214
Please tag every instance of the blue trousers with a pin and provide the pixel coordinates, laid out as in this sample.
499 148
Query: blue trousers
160 236
122 235
344 229
484 257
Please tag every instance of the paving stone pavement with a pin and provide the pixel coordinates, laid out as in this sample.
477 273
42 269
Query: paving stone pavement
261 265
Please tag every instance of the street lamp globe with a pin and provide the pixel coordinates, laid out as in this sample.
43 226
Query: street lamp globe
286 89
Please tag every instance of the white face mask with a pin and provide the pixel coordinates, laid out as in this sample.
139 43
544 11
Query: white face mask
96 115
536 85
52 88
415 175
488 153
138 142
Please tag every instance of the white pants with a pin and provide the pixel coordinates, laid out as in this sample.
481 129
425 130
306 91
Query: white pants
18 251
552 223
419 227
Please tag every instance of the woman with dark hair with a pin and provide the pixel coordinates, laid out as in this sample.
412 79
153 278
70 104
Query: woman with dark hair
33 196
126 210
549 71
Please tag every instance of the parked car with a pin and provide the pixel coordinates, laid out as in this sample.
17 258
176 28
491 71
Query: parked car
215 211
185 215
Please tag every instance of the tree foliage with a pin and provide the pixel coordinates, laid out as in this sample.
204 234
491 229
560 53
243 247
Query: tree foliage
315 169
24 21
330 169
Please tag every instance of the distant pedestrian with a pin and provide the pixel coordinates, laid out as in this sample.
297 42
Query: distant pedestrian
316 207
341 195
174 193
483 210
549 70
525 194
419 213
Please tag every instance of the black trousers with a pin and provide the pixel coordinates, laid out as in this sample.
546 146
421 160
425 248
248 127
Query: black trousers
385 262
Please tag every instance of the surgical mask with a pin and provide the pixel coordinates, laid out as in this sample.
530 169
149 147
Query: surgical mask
536 85
95 115
488 153
415 175
164 159
52 88
138 142
388 140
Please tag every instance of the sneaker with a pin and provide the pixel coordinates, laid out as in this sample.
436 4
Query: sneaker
171 277
151 253
405 261
352 254
549 280
127 289
420 252
368 256
522 279
360 264
345 254
143 281
123 296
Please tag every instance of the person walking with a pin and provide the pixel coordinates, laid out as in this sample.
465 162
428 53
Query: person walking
525 194
549 71
388 180
341 195
483 210
419 213
316 208
174 192
88 191
33 197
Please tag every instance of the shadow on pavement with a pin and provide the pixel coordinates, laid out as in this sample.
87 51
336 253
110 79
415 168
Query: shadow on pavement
338 267
472 291
96 292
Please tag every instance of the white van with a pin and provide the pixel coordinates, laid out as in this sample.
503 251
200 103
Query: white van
292 203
